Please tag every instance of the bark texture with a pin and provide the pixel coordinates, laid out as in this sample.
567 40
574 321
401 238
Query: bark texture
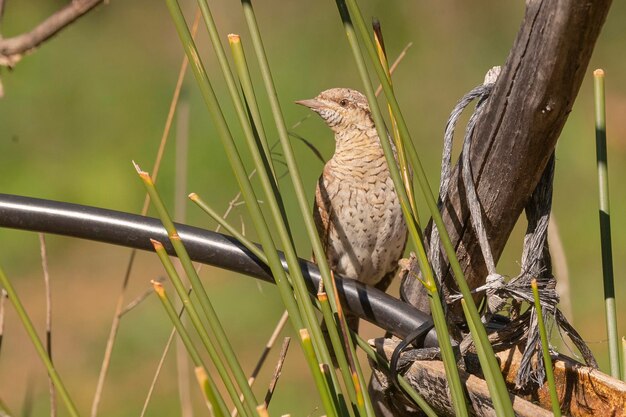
582 391
511 145
519 129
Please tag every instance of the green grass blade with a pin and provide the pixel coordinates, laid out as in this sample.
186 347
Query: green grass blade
384 365
262 229
270 188
208 386
261 255
322 381
494 378
229 228
41 350
456 388
302 198
545 349
402 161
208 390
214 323
338 347
194 316
245 81
497 392
605 223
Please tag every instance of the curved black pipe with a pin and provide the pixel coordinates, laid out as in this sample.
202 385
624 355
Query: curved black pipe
204 246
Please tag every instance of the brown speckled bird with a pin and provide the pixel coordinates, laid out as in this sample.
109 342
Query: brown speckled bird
357 211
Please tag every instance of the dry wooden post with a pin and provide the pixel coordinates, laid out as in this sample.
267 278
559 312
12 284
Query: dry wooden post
582 391
512 144
520 126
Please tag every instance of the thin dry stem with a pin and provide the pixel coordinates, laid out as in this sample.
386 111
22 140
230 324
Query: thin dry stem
343 326
13 49
140 298
395 64
277 372
46 279
268 346
157 373
561 271
120 301
3 299
106 361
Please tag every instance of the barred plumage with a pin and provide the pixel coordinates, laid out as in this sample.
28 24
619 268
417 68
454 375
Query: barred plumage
356 210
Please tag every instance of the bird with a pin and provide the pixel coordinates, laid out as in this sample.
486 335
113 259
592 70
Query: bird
356 210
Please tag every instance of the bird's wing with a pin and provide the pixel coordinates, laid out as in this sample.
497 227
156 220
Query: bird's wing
388 278
321 214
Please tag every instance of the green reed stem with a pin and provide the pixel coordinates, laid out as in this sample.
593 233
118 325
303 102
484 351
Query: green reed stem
545 349
229 228
322 379
214 323
490 367
301 195
253 133
41 350
605 223
209 389
402 161
272 195
497 396
384 366
338 347
323 306
249 132
449 360
245 186
243 73
196 321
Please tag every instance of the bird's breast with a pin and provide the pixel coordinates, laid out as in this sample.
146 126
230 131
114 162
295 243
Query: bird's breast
368 231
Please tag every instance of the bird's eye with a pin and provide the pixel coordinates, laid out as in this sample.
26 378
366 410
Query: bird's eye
343 103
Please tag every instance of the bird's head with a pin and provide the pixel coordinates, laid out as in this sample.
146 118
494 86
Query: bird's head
341 108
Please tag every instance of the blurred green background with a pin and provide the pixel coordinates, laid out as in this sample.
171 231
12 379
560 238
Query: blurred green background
78 110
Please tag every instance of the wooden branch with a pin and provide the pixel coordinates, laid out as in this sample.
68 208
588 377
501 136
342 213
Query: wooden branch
13 49
583 391
519 129
430 381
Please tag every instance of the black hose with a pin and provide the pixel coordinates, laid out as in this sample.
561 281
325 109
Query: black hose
211 248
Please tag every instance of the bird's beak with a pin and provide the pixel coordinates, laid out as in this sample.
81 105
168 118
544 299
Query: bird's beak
311 103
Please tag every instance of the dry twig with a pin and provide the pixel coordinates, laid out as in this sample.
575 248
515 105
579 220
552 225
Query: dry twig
3 298
46 278
13 49
277 372
268 346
